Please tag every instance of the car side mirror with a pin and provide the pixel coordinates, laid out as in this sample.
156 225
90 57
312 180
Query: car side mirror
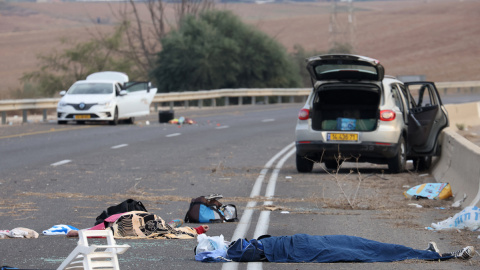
62 93
123 92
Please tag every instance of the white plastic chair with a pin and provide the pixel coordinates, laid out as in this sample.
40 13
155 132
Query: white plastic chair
88 257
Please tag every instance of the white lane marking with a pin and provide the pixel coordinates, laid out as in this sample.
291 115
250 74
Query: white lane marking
119 146
268 120
244 223
173 135
61 162
245 220
222 127
264 219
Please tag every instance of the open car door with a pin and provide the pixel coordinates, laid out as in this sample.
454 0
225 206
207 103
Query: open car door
140 96
427 117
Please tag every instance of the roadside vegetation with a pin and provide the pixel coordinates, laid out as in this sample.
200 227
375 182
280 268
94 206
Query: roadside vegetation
203 49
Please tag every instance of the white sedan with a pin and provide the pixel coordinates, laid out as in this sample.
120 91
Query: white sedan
105 96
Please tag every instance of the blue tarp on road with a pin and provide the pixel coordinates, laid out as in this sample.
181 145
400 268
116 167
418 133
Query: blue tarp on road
338 248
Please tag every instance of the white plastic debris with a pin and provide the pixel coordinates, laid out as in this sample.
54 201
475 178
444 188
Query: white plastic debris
468 218
459 202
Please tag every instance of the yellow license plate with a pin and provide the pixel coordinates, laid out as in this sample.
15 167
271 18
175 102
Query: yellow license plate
82 116
342 137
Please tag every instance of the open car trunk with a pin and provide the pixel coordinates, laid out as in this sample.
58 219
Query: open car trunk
339 107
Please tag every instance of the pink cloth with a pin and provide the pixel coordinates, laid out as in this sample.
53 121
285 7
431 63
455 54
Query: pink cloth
109 219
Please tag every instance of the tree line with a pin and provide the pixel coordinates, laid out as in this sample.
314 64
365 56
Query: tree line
203 49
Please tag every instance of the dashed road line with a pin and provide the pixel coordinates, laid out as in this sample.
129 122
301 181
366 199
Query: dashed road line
61 162
222 127
119 146
268 120
173 135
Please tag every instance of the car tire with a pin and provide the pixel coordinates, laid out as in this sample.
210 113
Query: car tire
114 122
62 122
422 164
304 165
332 164
398 163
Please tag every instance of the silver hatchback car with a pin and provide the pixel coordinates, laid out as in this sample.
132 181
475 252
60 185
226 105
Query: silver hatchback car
355 113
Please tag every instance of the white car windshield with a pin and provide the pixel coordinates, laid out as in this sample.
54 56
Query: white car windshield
91 89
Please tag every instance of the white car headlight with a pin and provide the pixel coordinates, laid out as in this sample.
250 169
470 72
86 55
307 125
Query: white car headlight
62 104
106 104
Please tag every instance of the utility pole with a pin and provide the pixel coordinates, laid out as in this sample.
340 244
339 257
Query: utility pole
342 24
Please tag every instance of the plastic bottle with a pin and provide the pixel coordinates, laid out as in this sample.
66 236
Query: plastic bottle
176 223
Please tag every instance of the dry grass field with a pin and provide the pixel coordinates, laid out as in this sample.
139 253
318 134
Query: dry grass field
436 38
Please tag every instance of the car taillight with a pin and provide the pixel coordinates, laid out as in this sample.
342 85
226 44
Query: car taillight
304 114
387 115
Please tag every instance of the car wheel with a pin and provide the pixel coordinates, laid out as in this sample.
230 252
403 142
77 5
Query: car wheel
422 163
114 122
62 122
304 165
397 164
332 164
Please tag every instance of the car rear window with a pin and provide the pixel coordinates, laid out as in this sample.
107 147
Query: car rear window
346 71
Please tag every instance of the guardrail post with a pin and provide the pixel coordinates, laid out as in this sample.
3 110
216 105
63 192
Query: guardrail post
186 104
214 102
4 118
155 105
240 101
253 100
44 115
227 100
24 116
292 100
200 103
279 99
265 99
171 105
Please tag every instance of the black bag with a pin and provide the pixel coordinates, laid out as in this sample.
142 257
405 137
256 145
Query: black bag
210 210
126 206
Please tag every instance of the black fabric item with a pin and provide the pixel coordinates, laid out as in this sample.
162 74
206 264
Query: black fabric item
126 206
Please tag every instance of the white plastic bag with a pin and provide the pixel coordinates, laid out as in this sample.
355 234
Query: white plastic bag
210 243
468 218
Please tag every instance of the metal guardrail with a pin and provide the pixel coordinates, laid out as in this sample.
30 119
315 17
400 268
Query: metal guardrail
44 104
25 105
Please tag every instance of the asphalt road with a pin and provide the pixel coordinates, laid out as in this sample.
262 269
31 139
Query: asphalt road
51 174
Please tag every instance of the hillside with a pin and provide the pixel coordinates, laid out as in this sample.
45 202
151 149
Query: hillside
435 38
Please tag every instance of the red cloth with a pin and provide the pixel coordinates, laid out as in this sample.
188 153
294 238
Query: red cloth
200 230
